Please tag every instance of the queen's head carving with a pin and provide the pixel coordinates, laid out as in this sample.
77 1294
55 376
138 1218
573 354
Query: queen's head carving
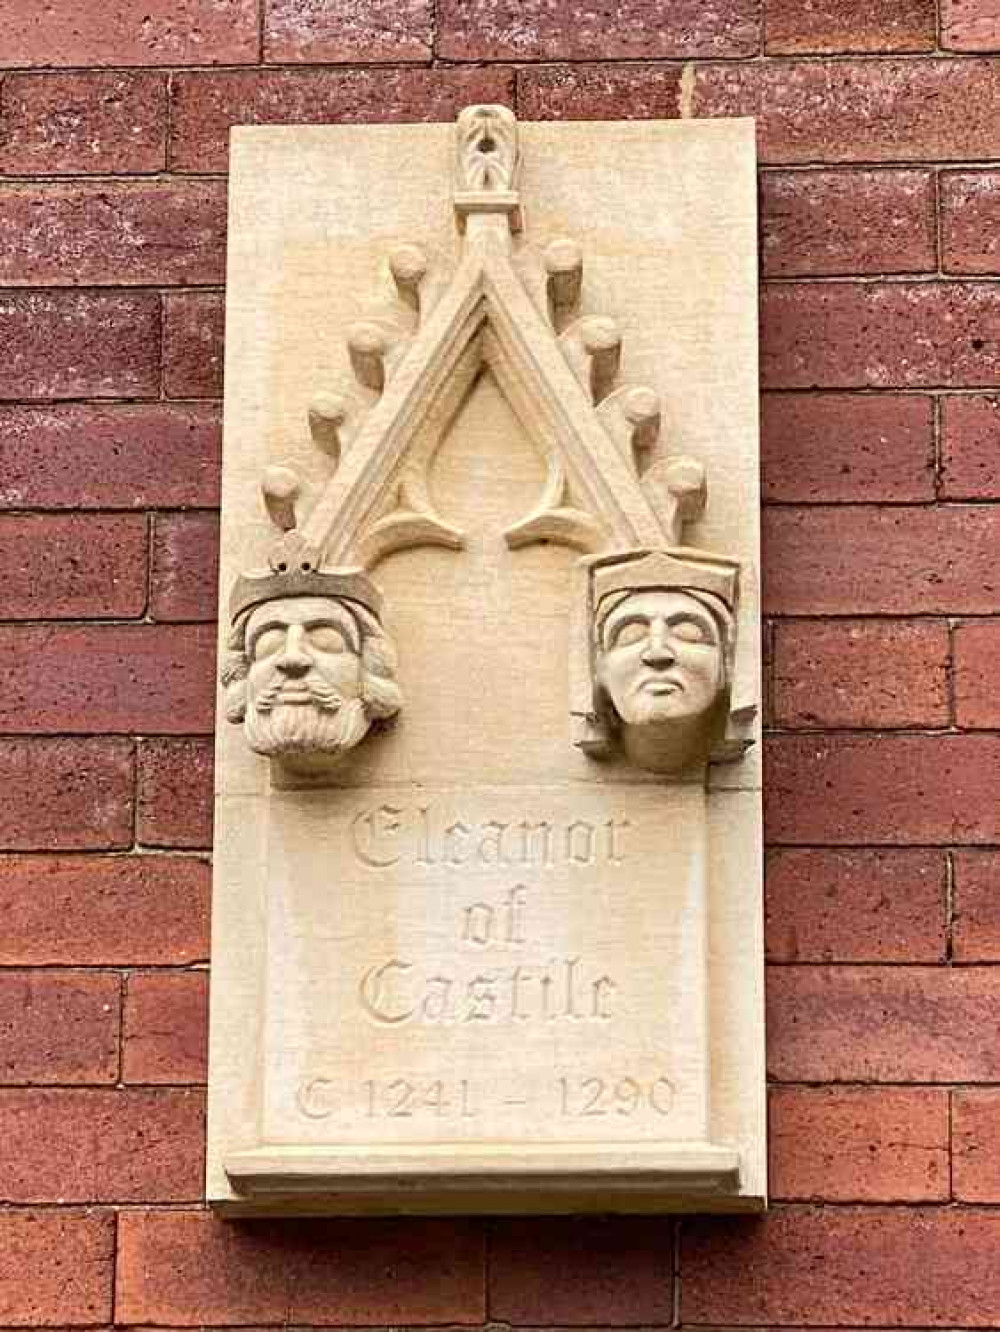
663 653
309 667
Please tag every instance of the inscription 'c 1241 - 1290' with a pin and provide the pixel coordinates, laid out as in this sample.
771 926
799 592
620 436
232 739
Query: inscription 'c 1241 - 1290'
389 835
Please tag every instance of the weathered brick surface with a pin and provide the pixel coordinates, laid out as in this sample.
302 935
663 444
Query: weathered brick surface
193 326
129 32
56 1267
59 1027
56 124
635 29
186 1268
103 910
599 92
859 110
976 927
883 1024
856 560
118 233
127 1145
844 447
184 574
66 795
68 344
835 222
970 217
837 26
843 1267
880 335
872 1144
976 702
107 679
861 673
175 793
852 790
970 25
970 446
856 906
165 1027
364 30
110 456
205 106
84 566
975 1119
581 1271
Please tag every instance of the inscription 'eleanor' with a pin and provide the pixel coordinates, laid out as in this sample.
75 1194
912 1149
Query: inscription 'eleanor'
391 834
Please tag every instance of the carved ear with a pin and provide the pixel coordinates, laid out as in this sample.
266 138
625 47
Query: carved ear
233 676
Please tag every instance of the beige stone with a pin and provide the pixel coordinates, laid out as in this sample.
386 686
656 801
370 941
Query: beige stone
487 921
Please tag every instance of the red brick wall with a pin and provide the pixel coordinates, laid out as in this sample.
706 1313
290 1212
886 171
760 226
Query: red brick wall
880 195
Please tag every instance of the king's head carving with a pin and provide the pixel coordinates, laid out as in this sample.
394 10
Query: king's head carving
308 667
663 654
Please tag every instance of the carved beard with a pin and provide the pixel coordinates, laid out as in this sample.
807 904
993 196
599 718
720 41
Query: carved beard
306 728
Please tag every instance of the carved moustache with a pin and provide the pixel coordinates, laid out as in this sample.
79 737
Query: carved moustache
325 696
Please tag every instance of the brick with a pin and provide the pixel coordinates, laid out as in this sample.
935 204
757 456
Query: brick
70 124
166 1027
71 344
66 795
846 560
633 29
175 793
895 790
844 447
870 110
122 233
114 456
976 1145
855 906
577 1271
834 222
970 25
970 447
80 566
56 1267
205 106
599 92
103 910
839 26
130 32
883 1024
58 1027
193 326
976 702
126 1145
843 1266
102 679
970 217
859 1144
976 924
361 30
185 567
861 673
190 1268
907 334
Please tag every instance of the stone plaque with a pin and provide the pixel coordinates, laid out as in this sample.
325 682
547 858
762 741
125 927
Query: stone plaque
487 920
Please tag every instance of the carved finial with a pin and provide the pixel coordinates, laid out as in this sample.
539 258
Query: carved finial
368 345
486 163
564 265
678 489
642 411
281 486
602 340
408 264
327 413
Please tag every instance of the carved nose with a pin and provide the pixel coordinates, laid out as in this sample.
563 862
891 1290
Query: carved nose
658 653
294 660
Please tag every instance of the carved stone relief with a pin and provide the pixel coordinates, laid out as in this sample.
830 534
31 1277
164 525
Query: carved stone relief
487 906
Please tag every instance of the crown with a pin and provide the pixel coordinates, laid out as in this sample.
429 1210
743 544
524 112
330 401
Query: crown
254 589
681 568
